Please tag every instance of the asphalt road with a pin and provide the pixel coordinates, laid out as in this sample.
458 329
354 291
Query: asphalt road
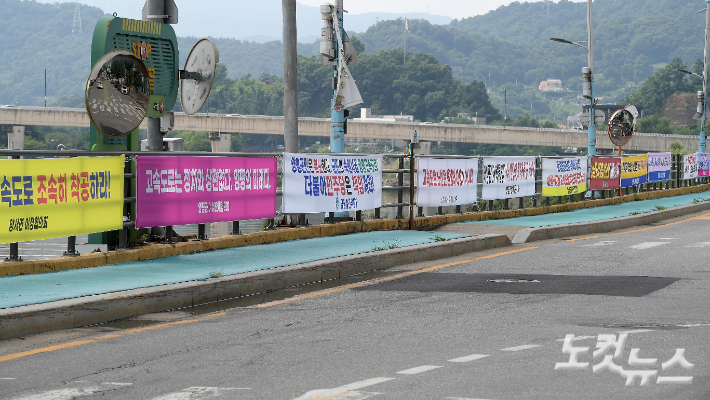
488 325
116 113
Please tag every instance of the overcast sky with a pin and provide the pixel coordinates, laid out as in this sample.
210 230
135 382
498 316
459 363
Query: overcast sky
451 8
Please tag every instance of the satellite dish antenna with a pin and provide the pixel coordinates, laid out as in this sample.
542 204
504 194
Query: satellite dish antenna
198 75
117 93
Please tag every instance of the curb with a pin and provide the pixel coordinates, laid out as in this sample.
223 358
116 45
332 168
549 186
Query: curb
558 231
420 223
89 310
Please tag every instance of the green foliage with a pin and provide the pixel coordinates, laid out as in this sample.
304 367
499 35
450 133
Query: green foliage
438 238
665 82
193 141
216 273
677 148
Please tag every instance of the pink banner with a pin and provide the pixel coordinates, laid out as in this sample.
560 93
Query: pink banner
198 190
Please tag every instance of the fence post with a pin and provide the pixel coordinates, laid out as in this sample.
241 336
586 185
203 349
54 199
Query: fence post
169 234
400 191
71 246
201 235
411 186
14 247
235 228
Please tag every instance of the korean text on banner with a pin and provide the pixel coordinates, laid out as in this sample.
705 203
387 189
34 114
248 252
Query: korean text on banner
328 183
43 199
508 177
633 171
444 182
659 167
703 164
563 177
690 166
197 190
605 173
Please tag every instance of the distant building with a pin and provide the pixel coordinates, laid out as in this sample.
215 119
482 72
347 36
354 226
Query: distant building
476 120
366 114
551 85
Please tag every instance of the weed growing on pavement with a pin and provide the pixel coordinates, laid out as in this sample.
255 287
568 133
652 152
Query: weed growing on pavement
388 245
659 208
216 273
438 238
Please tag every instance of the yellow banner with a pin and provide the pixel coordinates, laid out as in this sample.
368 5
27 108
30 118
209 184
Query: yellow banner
631 167
564 190
43 199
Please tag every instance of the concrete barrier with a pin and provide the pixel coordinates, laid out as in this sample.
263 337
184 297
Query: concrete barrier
83 311
583 228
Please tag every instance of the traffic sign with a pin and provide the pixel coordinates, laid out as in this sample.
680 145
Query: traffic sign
599 117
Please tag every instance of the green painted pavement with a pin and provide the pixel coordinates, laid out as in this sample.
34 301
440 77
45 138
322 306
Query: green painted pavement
598 213
41 288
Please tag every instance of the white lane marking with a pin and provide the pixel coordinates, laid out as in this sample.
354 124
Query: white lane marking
365 383
602 243
462 398
698 245
117 383
647 245
322 394
6 379
472 357
637 331
64 394
196 393
574 339
674 379
684 326
666 238
418 370
523 347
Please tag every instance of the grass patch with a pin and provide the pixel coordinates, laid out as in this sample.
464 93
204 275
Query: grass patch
659 208
438 238
388 245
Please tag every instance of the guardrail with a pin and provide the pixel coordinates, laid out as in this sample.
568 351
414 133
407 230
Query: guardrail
406 165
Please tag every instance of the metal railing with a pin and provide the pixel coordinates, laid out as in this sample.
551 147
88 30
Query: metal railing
406 165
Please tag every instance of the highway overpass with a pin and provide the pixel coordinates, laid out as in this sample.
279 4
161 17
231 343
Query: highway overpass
259 124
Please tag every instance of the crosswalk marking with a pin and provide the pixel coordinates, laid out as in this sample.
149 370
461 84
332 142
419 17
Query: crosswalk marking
699 244
472 357
365 383
574 339
328 394
64 394
196 393
602 243
418 370
647 245
523 347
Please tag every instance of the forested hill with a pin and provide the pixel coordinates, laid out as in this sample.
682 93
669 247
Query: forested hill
629 35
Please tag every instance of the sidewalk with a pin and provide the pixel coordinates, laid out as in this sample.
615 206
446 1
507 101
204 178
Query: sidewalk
42 288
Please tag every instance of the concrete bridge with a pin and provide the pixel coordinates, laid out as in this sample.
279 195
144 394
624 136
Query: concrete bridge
259 124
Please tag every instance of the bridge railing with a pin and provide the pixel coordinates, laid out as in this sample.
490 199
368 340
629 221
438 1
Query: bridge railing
398 165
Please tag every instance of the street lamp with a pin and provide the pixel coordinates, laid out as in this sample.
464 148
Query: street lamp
702 95
588 90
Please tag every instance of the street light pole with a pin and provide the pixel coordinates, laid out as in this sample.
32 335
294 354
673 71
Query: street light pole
701 145
592 129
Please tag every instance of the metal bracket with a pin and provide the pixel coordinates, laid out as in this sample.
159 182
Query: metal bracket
183 75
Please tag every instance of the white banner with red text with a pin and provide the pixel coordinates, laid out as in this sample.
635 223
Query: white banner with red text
446 182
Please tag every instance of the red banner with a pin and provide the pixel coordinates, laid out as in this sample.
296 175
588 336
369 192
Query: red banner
605 173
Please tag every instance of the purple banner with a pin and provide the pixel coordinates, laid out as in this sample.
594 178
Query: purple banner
198 190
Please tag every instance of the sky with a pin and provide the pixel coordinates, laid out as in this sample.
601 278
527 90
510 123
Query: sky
452 8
